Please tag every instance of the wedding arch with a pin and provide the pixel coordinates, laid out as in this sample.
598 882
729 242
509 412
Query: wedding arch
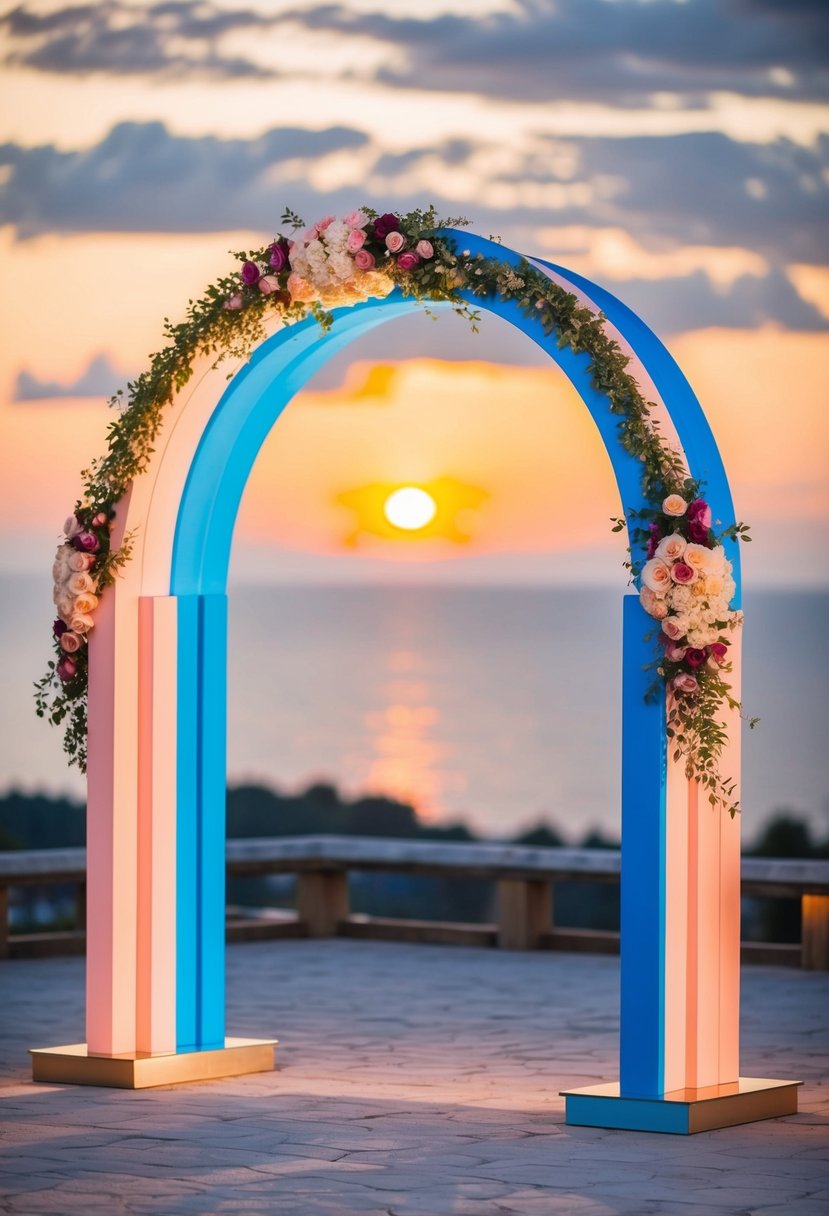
145 561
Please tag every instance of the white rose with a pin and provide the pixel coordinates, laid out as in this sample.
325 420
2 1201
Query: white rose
71 528
697 557
65 607
79 561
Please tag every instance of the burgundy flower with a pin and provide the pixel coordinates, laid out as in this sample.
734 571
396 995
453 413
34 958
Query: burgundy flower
654 537
408 261
250 273
86 542
718 651
694 657
67 668
698 532
59 627
385 224
278 254
699 510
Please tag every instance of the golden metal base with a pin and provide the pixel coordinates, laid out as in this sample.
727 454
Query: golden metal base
684 1111
73 1065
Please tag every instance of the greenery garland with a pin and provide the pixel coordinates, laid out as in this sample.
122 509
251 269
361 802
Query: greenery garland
340 262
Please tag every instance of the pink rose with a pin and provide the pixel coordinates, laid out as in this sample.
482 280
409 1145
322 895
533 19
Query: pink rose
656 575
356 219
79 562
395 241
66 669
69 641
653 604
425 250
232 303
675 653
364 260
356 239
685 682
682 573
268 283
674 504
718 652
408 261
674 627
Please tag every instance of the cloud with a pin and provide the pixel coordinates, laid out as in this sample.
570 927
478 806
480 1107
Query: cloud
628 52
668 191
140 178
100 379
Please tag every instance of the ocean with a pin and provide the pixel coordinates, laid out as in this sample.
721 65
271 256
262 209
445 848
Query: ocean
499 707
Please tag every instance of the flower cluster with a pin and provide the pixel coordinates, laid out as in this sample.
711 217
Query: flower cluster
74 591
334 262
686 584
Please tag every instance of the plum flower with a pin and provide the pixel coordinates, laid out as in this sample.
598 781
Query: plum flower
408 261
66 669
250 273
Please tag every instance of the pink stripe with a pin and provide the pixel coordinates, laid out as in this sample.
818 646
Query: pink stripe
676 926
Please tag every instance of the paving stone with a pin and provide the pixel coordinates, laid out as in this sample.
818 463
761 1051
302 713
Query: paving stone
412 1081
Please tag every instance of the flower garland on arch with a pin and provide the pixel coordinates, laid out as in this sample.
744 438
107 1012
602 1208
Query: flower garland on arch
686 580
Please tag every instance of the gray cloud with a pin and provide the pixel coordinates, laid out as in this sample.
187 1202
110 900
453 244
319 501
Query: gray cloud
99 379
622 52
140 178
666 191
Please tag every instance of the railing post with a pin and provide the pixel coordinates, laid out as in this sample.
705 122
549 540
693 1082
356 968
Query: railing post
322 900
80 904
814 955
4 921
525 912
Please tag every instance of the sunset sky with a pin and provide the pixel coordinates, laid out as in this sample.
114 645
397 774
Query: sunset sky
676 152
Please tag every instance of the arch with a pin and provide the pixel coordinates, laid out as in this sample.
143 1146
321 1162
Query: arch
157 726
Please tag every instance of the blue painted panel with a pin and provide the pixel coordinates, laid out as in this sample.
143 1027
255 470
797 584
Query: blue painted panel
187 825
211 836
626 1114
644 757
696 436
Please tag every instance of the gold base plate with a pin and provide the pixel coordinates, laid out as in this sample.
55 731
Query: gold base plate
684 1111
73 1065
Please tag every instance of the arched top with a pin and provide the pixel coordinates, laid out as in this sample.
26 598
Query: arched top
259 392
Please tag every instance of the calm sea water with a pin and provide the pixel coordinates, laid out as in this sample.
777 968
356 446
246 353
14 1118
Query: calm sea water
500 707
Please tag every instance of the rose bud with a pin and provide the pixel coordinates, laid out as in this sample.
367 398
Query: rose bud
718 651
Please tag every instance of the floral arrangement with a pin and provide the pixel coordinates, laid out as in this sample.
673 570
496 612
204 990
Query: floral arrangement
686 580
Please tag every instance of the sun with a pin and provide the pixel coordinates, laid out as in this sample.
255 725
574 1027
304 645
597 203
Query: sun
410 508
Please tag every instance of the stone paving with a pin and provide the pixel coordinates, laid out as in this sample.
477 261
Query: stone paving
412 1081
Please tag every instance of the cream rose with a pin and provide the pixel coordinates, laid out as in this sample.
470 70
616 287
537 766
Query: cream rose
86 602
65 607
653 604
656 575
81 622
671 548
78 583
675 505
698 557
79 562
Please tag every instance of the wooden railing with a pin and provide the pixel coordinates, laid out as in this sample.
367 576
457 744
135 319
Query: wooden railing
525 880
